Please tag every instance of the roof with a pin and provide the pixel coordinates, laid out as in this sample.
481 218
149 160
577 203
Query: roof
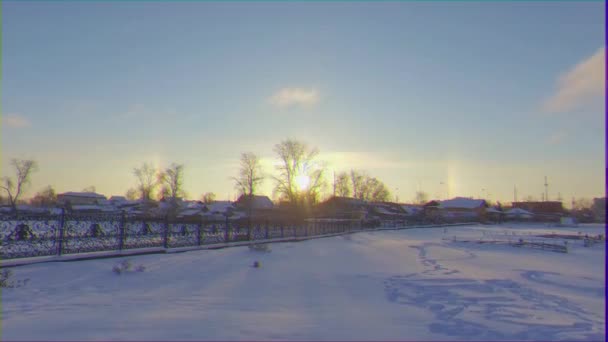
83 194
93 208
258 202
411 210
219 206
118 199
462 203
518 211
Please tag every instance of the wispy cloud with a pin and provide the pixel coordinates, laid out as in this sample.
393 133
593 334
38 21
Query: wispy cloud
580 85
288 97
15 120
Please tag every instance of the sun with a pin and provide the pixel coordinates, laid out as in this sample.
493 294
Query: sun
303 181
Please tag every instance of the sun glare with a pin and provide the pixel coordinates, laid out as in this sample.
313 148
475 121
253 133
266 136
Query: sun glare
303 182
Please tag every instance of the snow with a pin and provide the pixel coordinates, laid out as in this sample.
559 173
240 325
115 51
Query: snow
219 207
411 284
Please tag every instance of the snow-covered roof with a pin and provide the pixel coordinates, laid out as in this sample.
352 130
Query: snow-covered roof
118 199
411 210
219 206
262 202
518 211
189 212
93 207
192 205
493 210
461 203
83 194
383 210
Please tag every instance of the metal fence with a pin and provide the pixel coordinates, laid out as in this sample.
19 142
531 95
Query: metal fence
30 235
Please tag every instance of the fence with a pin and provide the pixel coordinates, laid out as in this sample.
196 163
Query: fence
35 235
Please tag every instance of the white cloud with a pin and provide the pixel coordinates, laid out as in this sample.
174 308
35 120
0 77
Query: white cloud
287 97
15 120
580 85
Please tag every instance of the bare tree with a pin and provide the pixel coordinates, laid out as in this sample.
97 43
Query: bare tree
343 185
131 194
371 189
208 197
421 197
582 204
14 189
367 188
45 197
146 181
357 178
89 189
250 174
300 177
172 181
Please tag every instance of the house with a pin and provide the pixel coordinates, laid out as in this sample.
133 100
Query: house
462 208
547 210
599 209
388 213
494 214
518 214
341 207
218 210
81 198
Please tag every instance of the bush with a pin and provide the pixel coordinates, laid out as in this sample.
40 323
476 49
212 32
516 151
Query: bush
116 269
126 266
6 282
256 264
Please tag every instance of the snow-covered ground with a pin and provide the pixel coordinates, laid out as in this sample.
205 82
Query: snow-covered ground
389 285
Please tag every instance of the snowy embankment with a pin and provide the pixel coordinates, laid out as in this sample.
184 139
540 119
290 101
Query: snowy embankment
390 285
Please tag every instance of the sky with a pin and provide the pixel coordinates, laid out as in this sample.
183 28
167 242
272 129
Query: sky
450 98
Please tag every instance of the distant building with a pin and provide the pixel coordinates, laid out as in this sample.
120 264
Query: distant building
81 198
599 209
542 208
254 202
462 208
543 211
342 207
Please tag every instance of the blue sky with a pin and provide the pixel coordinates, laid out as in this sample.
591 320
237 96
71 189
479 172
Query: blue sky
476 95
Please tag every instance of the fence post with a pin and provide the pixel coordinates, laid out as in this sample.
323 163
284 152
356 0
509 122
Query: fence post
198 232
61 233
266 232
227 231
121 232
282 235
166 233
295 231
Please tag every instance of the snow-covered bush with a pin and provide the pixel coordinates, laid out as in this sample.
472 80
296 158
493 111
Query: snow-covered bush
127 266
6 282
260 247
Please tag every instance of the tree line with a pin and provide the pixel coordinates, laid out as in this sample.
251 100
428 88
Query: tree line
300 180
